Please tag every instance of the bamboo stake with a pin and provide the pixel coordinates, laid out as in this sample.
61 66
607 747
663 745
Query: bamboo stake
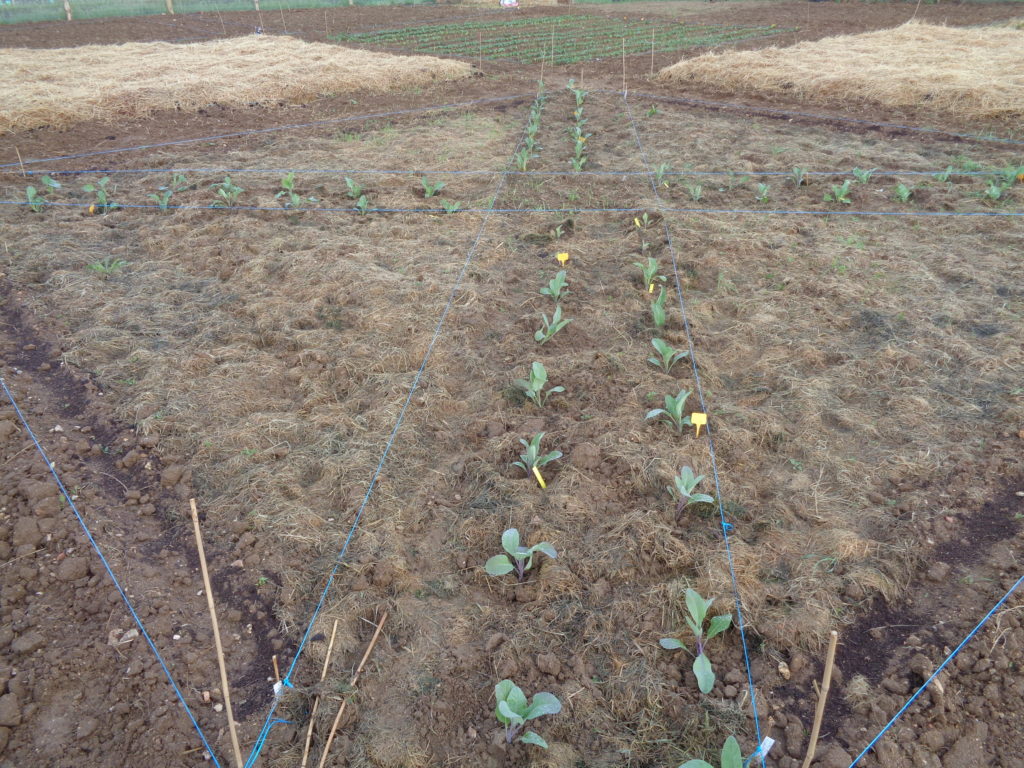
327 29
216 636
826 681
223 26
170 6
277 671
284 25
355 678
316 700
20 162
67 9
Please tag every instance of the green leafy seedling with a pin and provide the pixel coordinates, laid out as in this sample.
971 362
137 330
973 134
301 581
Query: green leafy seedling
732 757
659 174
550 327
292 198
99 189
696 192
533 387
903 193
578 162
363 204
431 189
557 287
227 193
108 266
698 609
180 183
162 197
673 411
667 355
643 222
37 197
658 314
652 111
649 269
354 189
523 158
862 176
1012 174
682 490
517 558
943 176
995 190
514 711
450 206
763 193
532 458
799 176
840 193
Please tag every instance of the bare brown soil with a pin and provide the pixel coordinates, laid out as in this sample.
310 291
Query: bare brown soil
862 375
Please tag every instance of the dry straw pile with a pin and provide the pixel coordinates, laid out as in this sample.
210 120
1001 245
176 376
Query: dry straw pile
115 82
973 74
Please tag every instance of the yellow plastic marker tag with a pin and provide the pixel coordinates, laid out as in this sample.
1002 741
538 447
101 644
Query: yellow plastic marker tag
699 420
540 479
562 258
650 288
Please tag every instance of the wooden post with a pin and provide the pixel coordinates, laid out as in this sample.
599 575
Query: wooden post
67 9
216 635
170 6
257 4
826 681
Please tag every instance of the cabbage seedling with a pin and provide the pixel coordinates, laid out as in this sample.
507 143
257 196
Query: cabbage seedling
355 190
513 711
667 355
840 193
903 193
532 458
698 608
534 386
99 189
673 411
450 206
36 197
696 192
799 176
659 174
162 197
363 204
292 198
658 315
682 490
763 193
519 558
227 193
550 327
943 176
650 271
732 757
557 286
643 222
863 176
429 190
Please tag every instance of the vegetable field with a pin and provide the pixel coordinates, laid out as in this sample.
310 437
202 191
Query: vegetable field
529 423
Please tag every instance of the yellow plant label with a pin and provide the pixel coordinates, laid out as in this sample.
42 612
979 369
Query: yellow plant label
699 420
562 258
540 479
650 288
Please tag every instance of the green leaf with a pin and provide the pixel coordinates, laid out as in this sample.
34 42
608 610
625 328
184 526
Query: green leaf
498 565
701 498
543 704
732 756
671 644
547 549
704 673
719 624
697 606
505 711
655 413
517 702
532 738
510 541
502 689
696 764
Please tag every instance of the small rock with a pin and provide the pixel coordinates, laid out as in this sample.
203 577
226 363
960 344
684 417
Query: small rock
835 757
10 710
27 643
5 736
171 475
939 571
73 569
549 664
26 532
87 727
784 671
494 641
218 707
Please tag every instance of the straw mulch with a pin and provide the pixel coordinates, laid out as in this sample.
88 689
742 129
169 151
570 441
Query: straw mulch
972 74
115 82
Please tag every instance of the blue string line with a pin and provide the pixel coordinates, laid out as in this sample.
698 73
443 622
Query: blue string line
259 131
935 674
776 212
265 731
726 526
444 172
826 118
110 572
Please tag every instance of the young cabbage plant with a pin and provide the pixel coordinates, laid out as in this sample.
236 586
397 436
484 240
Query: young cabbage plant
763 193
533 387
682 489
698 609
862 176
363 204
557 286
732 757
658 315
673 411
429 190
532 458
99 189
514 711
451 206
518 557
840 193
550 327
659 174
903 193
799 176
292 198
36 197
355 190
227 193
696 192
649 269
668 356
943 176
162 197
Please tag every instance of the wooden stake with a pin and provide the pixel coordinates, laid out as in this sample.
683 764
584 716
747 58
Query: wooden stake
623 66
67 9
327 30
277 672
826 681
552 44
284 25
355 679
170 6
316 700
223 26
20 163
216 636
